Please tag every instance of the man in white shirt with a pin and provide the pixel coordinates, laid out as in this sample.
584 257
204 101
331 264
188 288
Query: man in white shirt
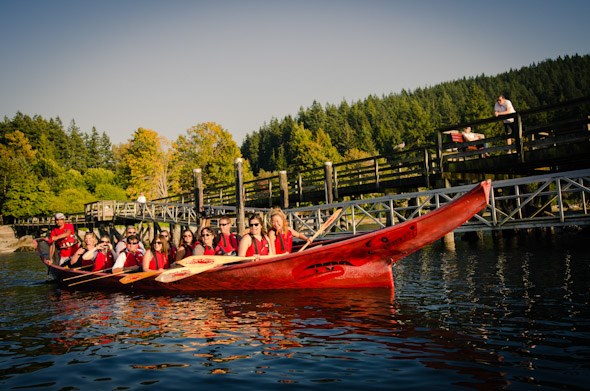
502 107
122 244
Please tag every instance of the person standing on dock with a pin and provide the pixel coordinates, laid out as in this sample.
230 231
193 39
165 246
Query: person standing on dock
504 107
141 200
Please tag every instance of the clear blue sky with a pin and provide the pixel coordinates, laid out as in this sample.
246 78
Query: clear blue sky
169 65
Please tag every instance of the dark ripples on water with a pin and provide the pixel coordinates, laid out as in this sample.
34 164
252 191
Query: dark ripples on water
510 315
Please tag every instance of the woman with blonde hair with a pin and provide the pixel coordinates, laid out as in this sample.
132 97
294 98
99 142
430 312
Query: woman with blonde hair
281 234
87 253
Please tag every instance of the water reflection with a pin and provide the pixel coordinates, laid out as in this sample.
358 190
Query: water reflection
482 316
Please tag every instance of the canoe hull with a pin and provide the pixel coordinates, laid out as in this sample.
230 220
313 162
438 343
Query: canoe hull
363 261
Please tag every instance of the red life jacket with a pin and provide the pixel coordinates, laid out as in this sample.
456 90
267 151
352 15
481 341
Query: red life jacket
172 253
213 250
283 242
67 246
103 261
229 243
159 261
260 247
188 249
133 259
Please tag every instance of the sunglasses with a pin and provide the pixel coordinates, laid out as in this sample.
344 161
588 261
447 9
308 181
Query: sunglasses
187 236
207 234
254 224
133 243
104 241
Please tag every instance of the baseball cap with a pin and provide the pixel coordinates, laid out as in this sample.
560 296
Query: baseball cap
60 216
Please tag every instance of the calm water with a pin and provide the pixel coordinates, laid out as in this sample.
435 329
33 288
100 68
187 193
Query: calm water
512 314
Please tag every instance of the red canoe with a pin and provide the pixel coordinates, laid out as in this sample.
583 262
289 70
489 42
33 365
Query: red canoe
363 261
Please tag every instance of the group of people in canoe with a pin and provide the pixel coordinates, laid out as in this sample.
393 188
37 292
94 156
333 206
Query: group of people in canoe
129 255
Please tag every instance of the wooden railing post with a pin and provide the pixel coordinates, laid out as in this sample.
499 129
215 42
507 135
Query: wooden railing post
284 186
269 186
300 186
240 201
426 167
439 151
198 189
328 182
519 140
336 196
376 167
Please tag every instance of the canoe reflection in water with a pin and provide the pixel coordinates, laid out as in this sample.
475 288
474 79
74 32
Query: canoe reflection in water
219 331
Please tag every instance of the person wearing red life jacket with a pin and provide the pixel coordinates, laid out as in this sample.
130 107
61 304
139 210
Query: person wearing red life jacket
187 245
130 259
122 244
86 254
281 234
63 240
227 240
172 250
257 241
105 256
156 258
208 245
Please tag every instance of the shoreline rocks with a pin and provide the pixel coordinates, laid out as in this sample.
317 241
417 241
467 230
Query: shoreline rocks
9 243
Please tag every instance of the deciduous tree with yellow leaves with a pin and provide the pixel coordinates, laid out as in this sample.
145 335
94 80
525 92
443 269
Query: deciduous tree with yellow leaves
212 149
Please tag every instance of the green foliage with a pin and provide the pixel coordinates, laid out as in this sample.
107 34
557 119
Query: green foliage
98 176
71 201
44 168
27 197
147 164
209 147
106 191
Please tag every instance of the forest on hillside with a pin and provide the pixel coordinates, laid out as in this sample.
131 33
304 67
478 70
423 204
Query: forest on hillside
376 125
47 167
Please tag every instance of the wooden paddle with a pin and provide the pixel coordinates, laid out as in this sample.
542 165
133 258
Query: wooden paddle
96 278
199 260
323 227
179 273
139 276
200 263
82 267
87 274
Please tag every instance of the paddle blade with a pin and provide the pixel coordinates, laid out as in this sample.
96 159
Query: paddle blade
176 274
201 260
323 227
138 276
